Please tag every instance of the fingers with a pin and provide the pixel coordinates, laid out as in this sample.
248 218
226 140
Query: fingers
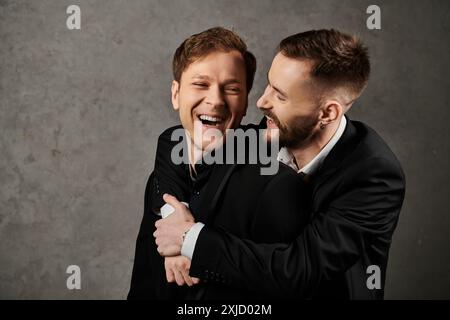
172 272
177 270
179 279
182 270
169 238
159 222
187 278
169 275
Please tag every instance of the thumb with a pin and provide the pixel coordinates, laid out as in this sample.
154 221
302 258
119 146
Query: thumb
172 201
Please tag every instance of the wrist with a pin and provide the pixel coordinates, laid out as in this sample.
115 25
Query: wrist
189 243
186 228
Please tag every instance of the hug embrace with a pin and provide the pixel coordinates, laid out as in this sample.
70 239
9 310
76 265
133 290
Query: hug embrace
216 230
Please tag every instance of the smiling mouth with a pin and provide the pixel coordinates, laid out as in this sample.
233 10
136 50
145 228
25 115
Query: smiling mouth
271 121
210 120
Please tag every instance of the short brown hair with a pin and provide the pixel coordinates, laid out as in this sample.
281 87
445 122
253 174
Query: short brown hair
214 39
338 58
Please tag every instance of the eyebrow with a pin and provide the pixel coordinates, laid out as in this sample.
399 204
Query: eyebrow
203 77
275 88
199 76
231 81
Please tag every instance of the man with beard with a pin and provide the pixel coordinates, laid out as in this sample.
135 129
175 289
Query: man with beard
357 184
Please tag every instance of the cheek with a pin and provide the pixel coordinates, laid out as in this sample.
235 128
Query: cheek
290 114
195 96
187 102
282 113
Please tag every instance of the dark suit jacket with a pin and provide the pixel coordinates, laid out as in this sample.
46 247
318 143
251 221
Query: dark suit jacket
261 208
356 199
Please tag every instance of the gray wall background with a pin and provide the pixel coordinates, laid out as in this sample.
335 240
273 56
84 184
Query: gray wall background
80 112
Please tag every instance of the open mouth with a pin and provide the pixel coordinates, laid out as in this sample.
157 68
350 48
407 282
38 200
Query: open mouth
270 121
210 120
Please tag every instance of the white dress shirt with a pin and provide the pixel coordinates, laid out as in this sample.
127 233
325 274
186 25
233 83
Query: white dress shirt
284 156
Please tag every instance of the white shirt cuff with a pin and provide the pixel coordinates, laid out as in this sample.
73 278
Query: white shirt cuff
166 210
187 249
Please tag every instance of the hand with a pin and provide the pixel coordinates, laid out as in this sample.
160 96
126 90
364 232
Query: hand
169 231
177 270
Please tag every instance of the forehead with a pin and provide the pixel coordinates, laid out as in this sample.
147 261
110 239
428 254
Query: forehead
286 72
218 63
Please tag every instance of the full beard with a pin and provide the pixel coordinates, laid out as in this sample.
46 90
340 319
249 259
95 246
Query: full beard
296 134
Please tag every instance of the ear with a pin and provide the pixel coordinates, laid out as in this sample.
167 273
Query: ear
331 111
175 92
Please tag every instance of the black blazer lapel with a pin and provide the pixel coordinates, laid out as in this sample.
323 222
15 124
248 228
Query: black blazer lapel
346 144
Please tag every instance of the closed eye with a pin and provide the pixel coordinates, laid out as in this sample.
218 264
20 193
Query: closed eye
200 84
233 90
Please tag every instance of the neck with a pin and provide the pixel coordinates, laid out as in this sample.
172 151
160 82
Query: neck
195 154
307 151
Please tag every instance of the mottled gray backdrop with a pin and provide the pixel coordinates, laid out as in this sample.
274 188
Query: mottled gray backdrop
80 112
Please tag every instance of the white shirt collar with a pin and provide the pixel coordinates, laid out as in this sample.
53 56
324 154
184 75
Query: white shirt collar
287 158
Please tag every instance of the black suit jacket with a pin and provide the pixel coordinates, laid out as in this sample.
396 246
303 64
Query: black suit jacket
356 199
238 199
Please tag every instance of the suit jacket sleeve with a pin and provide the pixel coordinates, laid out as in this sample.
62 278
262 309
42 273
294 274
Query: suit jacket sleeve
168 177
147 264
365 207
148 279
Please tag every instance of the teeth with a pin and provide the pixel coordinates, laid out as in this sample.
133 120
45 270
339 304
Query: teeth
269 118
209 118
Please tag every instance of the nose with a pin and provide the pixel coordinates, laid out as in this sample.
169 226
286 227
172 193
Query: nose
263 102
215 97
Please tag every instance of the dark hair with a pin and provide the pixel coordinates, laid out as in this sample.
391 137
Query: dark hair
214 39
338 59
